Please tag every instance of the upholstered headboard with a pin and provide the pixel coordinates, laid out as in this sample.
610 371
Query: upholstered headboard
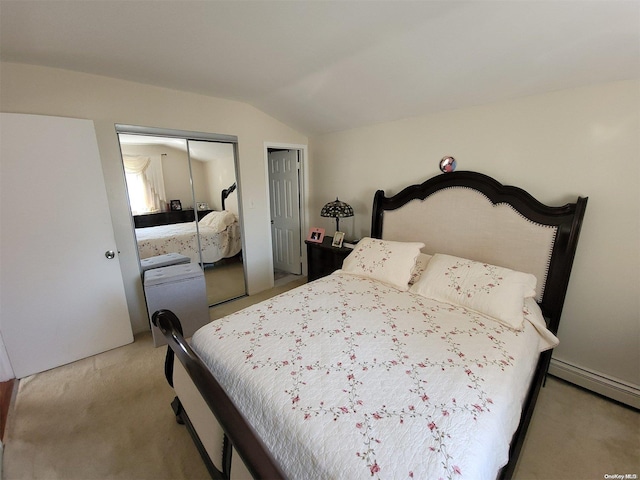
471 215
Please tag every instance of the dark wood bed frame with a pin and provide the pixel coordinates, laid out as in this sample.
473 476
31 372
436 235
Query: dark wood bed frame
567 219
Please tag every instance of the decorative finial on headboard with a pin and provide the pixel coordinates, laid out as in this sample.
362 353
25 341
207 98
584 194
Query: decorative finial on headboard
447 164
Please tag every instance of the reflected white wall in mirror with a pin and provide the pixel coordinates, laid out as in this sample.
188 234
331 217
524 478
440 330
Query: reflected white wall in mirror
213 170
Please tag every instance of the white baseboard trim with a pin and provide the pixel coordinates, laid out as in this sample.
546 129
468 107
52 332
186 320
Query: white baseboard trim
596 382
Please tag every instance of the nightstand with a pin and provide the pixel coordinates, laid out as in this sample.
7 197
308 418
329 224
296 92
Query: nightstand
323 259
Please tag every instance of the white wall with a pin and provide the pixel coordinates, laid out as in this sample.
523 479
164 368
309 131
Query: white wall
557 146
106 101
200 184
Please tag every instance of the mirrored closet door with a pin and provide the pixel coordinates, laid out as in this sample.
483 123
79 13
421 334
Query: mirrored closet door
183 196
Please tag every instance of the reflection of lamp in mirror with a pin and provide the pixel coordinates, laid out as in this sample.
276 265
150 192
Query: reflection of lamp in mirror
337 210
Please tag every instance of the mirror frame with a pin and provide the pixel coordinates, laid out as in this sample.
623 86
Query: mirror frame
188 135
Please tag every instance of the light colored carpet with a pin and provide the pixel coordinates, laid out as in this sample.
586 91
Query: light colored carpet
577 435
108 417
104 417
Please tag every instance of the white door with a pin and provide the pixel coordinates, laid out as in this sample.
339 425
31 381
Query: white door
284 193
61 298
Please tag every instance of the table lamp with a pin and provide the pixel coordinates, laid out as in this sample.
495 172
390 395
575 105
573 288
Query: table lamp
337 210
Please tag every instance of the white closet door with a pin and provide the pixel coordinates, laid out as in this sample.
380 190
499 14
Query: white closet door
61 298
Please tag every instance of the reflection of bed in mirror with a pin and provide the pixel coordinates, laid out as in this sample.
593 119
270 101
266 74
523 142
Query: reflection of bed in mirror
219 238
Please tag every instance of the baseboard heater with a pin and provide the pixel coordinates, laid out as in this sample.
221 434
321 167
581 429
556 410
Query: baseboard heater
596 382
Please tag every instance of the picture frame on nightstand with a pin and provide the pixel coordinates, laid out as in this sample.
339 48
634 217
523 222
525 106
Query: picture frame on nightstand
316 235
338 238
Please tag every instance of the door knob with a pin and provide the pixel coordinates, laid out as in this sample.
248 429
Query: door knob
110 254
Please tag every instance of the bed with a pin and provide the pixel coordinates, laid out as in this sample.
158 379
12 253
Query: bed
219 238
421 358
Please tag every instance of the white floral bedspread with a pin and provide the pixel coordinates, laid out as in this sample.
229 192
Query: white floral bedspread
181 238
346 378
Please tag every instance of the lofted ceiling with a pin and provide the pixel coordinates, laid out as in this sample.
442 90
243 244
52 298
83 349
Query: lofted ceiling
323 66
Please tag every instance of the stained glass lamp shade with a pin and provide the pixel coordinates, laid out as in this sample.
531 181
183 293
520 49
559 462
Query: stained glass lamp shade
337 210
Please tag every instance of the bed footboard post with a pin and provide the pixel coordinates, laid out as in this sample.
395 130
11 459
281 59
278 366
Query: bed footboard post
170 357
176 406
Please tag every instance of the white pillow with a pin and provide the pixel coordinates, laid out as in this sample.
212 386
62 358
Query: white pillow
218 220
419 267
488 289
386 261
